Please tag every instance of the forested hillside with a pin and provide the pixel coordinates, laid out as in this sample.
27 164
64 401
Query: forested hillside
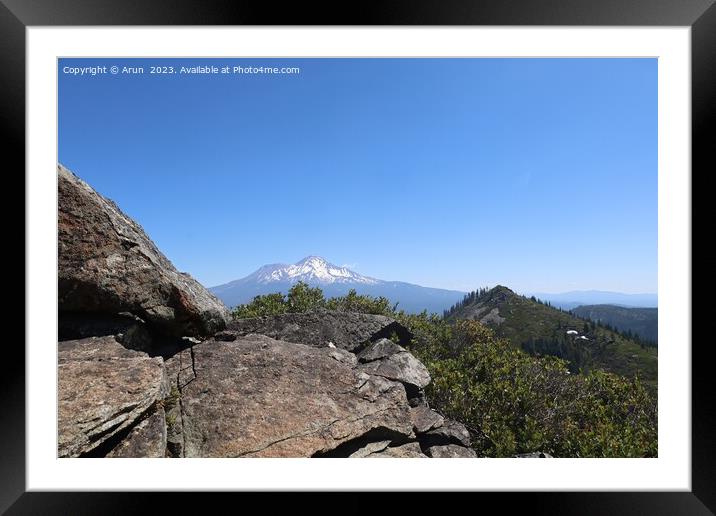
540 329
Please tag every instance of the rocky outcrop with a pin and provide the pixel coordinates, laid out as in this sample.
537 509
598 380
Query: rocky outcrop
260 397
108 265
255 396
104 389
344 330
252 396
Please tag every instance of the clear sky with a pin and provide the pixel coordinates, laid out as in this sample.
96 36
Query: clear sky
538 174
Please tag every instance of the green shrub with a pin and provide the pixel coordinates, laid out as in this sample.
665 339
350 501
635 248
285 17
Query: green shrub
270 304
302 298
515 403
352 302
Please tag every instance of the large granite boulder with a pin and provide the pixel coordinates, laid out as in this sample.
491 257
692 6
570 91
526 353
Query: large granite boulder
260 397
107 264
104 391
344 330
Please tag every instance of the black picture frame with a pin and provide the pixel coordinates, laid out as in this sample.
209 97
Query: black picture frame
700 15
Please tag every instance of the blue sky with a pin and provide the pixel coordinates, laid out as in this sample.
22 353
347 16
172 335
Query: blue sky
538 174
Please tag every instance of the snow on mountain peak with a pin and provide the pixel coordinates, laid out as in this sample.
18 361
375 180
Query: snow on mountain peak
312 269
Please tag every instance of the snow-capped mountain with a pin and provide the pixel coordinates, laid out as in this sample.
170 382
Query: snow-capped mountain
334 281
312 269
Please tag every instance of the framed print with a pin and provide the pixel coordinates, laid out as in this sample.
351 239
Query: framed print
259 238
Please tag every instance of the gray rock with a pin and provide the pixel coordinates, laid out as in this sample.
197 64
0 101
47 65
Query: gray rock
402 367
260 397
450 432
345 330
369 448
425 419
146 440
103 389
406 451
107 264
450 451
382 348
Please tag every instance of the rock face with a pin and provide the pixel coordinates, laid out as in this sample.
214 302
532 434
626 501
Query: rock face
260 397
345 330
147 439
107 264
104 389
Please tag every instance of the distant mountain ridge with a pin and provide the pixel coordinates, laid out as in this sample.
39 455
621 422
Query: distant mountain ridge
335 281
575 298
643 322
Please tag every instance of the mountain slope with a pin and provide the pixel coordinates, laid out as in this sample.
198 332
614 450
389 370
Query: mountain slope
543 330
643 322
334 281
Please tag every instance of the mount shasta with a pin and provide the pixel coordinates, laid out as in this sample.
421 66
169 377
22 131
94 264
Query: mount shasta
334 281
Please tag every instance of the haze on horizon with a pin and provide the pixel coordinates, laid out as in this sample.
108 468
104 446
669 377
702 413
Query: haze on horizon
537 174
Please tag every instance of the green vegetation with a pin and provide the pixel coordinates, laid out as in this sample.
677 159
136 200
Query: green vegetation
302 298
169 403
515 403
510 401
